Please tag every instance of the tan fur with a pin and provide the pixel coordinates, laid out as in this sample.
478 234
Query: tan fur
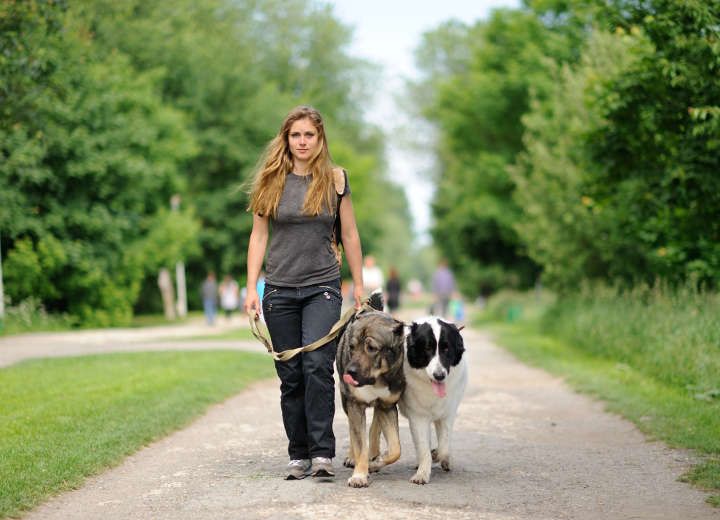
371 348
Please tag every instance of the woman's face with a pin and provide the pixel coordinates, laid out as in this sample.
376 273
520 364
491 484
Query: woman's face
303 140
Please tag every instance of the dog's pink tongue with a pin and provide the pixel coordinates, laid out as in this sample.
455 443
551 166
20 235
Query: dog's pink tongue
439 388
349 379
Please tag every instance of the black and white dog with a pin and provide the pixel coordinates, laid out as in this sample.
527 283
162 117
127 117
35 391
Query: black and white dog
436 375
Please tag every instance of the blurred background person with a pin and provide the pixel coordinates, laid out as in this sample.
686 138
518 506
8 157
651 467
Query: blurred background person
372 275
456 308
229 292
209 292
392 291
443 286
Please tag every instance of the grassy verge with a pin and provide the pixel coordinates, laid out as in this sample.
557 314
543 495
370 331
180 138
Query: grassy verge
62 420
155 320
239 334
665 406
29 316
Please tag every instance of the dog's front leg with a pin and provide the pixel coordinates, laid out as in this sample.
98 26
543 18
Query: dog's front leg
388 420
358 444
374 438
349 461
443 428
420 429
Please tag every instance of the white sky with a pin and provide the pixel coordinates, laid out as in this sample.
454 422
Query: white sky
386 32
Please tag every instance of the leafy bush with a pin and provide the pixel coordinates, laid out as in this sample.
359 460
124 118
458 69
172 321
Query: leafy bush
672 335
30 315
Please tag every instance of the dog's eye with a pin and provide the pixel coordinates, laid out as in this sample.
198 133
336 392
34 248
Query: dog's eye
372 348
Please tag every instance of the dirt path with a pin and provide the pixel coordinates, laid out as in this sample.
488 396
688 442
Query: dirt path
525 447
101 341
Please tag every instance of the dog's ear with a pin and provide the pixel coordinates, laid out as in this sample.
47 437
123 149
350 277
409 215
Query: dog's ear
458 345
376 300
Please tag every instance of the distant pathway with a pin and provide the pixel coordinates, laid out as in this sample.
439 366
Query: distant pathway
102 341
526 447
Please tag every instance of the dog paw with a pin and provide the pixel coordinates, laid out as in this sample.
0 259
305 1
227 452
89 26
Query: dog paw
358 481
434 454
376 463
420 478
349 462
445 464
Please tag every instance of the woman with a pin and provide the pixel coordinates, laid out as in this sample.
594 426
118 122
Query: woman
296 191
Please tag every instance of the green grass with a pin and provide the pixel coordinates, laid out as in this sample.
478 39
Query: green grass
29 316
239 334
660 410
154 320
64 419
672 336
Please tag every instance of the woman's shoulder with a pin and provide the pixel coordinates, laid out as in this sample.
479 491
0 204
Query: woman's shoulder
339 177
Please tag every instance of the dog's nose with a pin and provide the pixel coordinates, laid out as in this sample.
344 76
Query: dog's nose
439 376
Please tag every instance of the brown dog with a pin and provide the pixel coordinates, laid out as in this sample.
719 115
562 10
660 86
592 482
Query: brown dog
370 364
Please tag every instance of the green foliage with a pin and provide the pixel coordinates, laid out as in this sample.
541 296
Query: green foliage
553 176
584 135
620 181
660 124
477 105
30 270
109 108
90 153
236 69
670 335
510 305
30 316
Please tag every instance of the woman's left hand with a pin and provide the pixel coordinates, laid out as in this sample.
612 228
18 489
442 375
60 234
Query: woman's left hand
358 296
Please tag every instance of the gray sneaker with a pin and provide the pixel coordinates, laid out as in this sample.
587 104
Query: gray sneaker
322 467
297 469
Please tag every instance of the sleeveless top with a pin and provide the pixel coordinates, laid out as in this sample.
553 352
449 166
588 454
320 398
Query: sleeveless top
301 252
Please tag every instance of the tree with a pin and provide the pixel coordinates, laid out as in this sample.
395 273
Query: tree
91 155
621 175
236 69
566 231
477 109
109 108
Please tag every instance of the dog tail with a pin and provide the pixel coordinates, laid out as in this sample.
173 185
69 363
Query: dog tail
376 300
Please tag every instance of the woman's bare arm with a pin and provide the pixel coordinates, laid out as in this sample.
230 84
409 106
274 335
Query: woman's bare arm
256 254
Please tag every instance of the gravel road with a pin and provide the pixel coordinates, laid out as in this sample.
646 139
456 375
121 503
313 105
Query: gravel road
525 447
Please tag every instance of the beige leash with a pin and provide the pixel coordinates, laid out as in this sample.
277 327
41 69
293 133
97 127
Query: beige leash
290 353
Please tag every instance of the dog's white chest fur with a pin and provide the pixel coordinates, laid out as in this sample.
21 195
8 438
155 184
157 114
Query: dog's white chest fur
419 398
368 394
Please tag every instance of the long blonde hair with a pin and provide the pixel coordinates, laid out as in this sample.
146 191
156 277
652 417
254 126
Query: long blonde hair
277 162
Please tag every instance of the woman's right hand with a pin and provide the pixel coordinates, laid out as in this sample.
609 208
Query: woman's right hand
252 303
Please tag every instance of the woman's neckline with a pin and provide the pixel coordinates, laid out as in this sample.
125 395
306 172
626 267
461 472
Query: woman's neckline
306 174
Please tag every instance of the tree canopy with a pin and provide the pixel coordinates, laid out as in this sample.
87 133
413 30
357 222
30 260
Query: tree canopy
577 141
111 108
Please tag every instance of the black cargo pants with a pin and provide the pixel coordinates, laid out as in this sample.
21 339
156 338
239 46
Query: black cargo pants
297 316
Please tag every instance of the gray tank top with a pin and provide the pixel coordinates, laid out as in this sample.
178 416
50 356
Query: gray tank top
300 251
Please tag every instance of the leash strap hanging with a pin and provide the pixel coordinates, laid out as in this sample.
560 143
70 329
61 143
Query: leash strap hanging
290 353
